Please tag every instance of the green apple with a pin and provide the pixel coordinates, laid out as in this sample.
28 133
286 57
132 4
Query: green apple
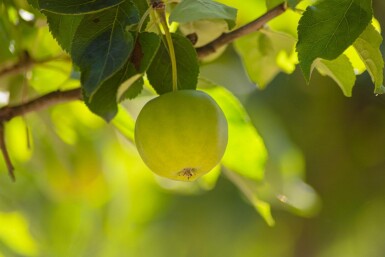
181 135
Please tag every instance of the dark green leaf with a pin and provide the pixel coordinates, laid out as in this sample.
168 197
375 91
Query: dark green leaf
192 10
63 28
104 101
368 48
134 89
127 83
101 44
159 72
76 6
146 47
328 28
340 70
141 5
145 50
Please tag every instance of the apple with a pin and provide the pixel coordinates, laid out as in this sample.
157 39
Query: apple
181 135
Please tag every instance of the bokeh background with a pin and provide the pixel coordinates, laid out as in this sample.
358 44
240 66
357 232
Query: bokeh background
81 189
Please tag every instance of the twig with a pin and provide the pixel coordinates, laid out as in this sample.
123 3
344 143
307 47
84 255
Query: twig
52 98
253 26
4 151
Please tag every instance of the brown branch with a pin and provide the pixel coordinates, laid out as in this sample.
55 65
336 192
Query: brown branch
253 26
9 112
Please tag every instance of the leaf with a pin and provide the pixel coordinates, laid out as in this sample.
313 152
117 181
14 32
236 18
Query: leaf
193 10
101 46
104 100
340 70
144 52
367 46
260 51
159 72
63 28
245 153
329 27
76 6
249 189
133 89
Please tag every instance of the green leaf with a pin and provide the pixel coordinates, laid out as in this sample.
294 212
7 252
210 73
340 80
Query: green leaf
133 88
260 51
144 52
76 6
104 101
159 72
193 10
127 82
63 28
329 27
101 45
249 189
340 70
245 153
146 47
367 46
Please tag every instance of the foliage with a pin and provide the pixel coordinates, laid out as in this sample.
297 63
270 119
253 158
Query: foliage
116 50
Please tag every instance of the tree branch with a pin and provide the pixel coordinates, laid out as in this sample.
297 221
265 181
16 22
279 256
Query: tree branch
56 97
253 26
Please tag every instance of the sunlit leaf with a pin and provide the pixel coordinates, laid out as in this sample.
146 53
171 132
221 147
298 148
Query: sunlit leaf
327 28
249 189
340 70
259 52
101 45
193 10
355 60
75 6
159 73
245 152
368 48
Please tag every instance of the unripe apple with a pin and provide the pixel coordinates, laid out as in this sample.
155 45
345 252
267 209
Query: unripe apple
181 135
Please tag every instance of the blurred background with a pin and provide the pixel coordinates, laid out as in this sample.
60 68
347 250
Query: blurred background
82 190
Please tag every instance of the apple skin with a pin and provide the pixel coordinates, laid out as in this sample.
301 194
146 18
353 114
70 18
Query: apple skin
181 135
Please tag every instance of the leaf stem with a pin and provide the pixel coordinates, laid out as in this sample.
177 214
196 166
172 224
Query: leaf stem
159 7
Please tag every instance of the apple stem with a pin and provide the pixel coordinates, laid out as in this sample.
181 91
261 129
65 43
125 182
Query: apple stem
159 7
